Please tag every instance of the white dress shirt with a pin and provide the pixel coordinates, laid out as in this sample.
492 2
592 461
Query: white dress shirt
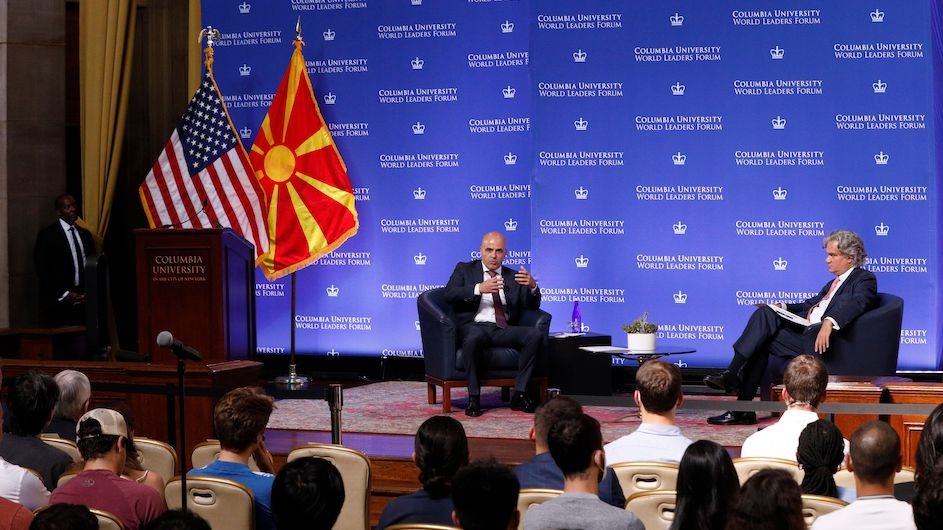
486 306
816 315
781 439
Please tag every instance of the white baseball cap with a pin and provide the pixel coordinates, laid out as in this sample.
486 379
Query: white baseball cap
111 421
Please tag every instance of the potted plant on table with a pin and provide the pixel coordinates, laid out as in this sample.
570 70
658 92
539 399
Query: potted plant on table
641 334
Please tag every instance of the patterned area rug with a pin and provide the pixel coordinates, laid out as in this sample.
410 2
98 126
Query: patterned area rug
399 407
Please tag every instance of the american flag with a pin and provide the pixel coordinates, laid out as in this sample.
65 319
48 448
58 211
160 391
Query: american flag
203 178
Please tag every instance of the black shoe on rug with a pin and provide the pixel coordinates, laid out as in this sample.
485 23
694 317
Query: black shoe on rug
733 418
474 406
726 381
522 402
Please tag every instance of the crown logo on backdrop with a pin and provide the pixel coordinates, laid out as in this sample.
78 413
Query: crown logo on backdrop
582 262
245 132
679 158
419 128
579 56
245 70
415 2
245 7
679 228
779 264
777 52
581 193
333 291
779 194
879 87
419 194
510 159
510 225
509 92
676 20
417 63
507 27
677 89
680 297
333 353
881 158
330 98
778 122
419 259
581 124
329 34
877 16
881 229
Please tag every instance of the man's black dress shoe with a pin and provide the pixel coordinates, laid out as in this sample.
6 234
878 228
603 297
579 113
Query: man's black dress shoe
474 407
726 381
733 418
522 402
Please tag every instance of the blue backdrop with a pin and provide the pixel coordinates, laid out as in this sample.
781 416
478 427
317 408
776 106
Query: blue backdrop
682 158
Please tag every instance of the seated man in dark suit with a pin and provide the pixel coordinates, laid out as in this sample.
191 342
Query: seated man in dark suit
59 254
488 299
768 338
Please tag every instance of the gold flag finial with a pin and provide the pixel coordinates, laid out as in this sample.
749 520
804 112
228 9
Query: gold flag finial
211 35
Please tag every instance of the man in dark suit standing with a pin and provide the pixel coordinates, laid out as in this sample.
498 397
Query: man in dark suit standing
488 299
59 254
768 338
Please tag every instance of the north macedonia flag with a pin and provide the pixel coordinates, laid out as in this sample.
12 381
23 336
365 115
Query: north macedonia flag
311 202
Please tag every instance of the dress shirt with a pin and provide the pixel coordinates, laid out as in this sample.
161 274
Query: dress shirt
486 306
649 443
816 315
781 439
78 258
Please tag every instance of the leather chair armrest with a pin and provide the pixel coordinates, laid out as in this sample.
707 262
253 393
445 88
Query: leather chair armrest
439 337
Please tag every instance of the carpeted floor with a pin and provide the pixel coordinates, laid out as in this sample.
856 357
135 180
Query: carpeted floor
399 407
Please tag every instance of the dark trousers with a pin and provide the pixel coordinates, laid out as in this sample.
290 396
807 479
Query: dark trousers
477 337
765 347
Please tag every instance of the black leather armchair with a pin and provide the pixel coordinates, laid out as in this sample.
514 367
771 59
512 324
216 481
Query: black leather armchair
871 343
445 364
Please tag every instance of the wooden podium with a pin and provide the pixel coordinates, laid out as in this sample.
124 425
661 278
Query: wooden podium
198 285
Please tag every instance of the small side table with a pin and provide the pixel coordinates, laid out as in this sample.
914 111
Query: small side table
579 372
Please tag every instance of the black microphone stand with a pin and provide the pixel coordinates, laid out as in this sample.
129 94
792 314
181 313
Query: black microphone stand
181 393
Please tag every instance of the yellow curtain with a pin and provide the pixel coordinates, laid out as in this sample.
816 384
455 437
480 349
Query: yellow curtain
106 43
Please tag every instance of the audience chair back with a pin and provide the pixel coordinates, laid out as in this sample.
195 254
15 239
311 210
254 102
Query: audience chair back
747 467
815 506
107 520
354 468
420 526
206 452
846 479
656 509
225 504
65 477
636 477
157 456
66 446
530 497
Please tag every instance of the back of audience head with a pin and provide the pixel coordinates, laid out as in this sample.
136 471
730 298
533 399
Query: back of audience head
101 431
441 448
874 456
820 453
928 501
659 386
74 393
576 444
554 410
707 487
64 517
770 499
31 399
240 418
805 380
177 520
485 497
930 446
308 494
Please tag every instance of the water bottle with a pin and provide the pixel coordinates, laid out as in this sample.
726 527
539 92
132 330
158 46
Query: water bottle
576 320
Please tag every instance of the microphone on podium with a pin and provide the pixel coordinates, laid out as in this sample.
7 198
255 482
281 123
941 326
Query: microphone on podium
166 340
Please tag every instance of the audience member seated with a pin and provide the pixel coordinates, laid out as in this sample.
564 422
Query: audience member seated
65 517
133 469
820 454
707 487
14 516
874 459
576 447
20 486
74 393
657 439
441 448
805 380
32 398
485 497
102 440
930 446
769 500
541 471
239 420
308 494
177 520
928 502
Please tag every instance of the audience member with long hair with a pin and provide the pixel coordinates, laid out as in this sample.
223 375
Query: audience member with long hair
707 487
928 502
441 449
820 453
930 446
133 467
769 500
